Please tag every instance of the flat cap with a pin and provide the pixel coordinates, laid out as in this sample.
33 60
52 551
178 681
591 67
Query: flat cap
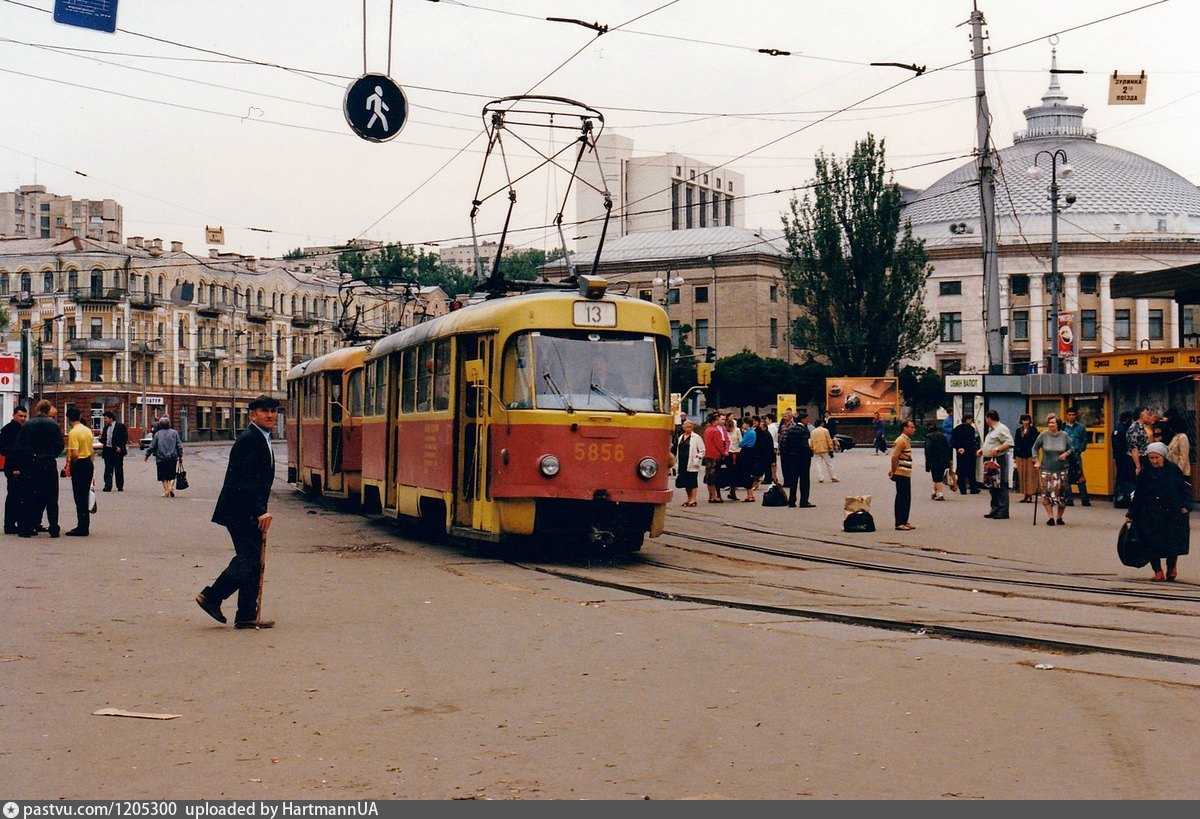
264 402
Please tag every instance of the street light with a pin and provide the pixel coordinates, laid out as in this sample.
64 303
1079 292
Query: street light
669 282
1055 286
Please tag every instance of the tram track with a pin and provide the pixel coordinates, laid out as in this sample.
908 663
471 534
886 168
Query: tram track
669 579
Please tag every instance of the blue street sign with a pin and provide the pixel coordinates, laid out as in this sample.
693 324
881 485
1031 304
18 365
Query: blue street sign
98 14
375 107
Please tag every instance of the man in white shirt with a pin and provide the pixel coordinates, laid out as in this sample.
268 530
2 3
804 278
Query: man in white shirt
996 445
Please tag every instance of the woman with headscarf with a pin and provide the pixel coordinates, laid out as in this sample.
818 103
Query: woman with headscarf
1159 511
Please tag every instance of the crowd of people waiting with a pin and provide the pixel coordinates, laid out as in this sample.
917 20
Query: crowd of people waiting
1152 456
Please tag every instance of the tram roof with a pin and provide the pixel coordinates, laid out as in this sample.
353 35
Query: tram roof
342 359
491 314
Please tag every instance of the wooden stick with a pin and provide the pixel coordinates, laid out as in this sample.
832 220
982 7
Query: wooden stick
262 571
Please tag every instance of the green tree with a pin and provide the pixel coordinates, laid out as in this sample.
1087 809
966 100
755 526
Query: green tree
522 265
923 389
683 362
748 379
298 253
858 277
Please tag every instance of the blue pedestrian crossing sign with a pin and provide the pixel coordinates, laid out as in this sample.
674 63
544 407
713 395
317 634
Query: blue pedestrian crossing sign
375 107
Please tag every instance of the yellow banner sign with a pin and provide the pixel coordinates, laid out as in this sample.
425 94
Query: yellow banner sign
1144 361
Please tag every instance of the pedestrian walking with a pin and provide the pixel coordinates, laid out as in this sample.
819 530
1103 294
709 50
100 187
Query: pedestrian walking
937 458
965 442
1139 436
1159 512
1078 435
242 510
41 441
689 457
81 468
877 431
14 469
167 449
1027 473
114 437
1052 453
749 463
822 445
996 445
900 472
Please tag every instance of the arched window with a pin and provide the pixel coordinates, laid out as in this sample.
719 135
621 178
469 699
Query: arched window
72 280
304 305
199 338
3 284
162 284
26 284
181 339
97 282
224 294
48 281
260 298
237 296
293 302
279 342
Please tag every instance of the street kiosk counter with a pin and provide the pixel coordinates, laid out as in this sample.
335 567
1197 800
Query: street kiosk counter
1160 379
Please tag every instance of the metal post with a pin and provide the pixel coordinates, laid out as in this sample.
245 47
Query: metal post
1054 361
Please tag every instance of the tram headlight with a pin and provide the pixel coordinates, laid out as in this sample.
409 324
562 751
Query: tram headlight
549 465
647 468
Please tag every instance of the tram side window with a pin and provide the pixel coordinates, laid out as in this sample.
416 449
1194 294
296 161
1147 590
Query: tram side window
354 398
379 387
312 398
425 377
441 375
408 398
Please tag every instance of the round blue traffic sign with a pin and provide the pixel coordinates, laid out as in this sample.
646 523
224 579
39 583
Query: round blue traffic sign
375 107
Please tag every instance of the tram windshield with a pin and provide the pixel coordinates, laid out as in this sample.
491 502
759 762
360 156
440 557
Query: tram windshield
572 371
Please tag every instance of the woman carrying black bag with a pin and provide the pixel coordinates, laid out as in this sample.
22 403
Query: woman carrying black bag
1159 512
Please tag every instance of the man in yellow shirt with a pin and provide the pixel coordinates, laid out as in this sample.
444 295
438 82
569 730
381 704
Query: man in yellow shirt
80 465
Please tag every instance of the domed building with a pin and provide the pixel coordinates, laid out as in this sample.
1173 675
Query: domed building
1119 213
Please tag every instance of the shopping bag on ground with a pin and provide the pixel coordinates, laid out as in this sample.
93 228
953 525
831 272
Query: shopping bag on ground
775 496
859 520
855 503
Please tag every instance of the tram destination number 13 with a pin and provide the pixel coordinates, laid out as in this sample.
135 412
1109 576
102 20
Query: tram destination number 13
595 314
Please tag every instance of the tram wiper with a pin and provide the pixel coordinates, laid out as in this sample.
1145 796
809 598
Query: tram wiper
614 399
554 386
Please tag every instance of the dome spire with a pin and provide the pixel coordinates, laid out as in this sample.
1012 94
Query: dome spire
1054 117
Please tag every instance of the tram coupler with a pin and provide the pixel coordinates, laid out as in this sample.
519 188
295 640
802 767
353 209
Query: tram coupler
602 537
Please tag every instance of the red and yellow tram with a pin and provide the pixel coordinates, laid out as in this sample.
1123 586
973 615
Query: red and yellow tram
540 415
324 429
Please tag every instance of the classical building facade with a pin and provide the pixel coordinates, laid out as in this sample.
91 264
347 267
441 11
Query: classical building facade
1125 214
653 193
149 331
725 283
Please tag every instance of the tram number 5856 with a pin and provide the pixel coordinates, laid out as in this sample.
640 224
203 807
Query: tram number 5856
605 453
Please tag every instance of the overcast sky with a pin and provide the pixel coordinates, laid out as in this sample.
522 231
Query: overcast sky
230 113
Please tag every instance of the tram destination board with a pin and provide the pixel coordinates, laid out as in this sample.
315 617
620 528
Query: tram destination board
595 314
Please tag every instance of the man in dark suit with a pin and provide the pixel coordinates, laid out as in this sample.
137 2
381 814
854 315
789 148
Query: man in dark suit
41 441
115 438
13 470
242 509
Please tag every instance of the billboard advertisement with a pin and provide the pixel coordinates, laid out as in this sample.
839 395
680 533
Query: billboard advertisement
862 397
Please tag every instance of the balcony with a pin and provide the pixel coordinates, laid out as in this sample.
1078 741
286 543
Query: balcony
95 345
211 310
260 357
303 319
22 299
143 301
261 315
145 347
211 354
98 295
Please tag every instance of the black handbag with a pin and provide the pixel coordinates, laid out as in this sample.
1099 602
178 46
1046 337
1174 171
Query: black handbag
1129 551
181 481
859 521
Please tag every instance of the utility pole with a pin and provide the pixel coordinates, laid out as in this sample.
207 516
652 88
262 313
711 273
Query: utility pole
987 205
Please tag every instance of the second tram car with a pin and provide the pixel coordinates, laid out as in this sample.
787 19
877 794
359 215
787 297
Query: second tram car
541 415
325 426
